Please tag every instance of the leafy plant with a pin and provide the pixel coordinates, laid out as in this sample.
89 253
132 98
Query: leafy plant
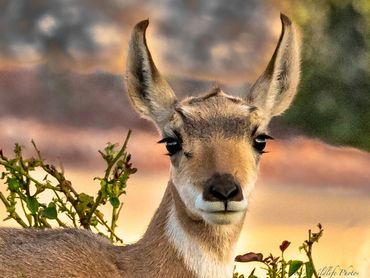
67 207
278 267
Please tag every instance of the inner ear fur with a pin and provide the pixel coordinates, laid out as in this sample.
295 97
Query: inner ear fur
275 89
148 91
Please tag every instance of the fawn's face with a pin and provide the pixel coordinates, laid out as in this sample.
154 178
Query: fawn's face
214 141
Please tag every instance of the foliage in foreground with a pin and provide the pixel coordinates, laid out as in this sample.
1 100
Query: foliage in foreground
25 193
279 267
67 207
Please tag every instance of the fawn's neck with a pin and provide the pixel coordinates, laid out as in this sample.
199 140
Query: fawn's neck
183 247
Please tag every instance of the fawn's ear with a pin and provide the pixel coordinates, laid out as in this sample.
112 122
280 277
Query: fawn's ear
275 89
150 94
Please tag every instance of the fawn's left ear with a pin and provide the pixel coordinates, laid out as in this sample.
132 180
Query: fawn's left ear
150 94
275 89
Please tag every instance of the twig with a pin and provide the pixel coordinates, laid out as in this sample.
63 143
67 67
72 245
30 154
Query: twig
14 215
106 176
119 154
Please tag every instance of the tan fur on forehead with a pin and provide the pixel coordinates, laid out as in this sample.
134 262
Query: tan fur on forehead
213 103
214 113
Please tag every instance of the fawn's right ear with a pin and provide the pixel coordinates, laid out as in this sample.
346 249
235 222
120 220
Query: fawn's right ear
150 94
276 87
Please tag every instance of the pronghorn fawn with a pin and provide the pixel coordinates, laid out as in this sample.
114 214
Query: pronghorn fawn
215 142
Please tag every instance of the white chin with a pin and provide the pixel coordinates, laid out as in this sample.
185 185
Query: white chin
223 218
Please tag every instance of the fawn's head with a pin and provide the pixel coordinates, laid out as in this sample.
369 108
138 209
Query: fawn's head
215 141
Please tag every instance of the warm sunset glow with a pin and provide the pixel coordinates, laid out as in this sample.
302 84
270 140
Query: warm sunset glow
62 68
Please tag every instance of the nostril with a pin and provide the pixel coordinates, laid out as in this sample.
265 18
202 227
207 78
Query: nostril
217 193
222 187
226 194
232 192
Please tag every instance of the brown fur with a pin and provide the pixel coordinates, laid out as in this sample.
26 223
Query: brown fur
188 236
80 253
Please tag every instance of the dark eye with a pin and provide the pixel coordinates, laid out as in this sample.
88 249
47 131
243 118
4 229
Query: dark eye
172 145
259 142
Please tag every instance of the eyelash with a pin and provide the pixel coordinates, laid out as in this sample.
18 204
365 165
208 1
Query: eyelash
173 145
259 142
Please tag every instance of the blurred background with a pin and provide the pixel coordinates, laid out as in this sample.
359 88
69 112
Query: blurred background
61 69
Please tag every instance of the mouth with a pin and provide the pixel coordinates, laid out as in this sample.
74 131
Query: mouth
225 217
220 206
221 212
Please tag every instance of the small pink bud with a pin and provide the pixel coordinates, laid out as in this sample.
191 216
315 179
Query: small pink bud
249 257
284 245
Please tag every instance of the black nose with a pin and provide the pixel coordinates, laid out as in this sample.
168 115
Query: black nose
222 187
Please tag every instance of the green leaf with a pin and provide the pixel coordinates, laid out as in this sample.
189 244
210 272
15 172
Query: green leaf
114 202
13 184
84 198
84 202
93 221
309 270
294 266
50 212
32 205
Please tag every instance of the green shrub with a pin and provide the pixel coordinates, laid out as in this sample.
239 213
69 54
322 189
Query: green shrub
67 207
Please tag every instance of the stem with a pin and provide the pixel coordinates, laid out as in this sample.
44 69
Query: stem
309 253
95 206
61 223
119 154
300 272
70 213
25 213
269 269
283 265
103 222
14 215
113 222
119 210
65 187
106 176
37 151
43 221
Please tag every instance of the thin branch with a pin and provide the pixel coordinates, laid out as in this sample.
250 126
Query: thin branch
119 154
102 221
106 176
14 215
25 213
